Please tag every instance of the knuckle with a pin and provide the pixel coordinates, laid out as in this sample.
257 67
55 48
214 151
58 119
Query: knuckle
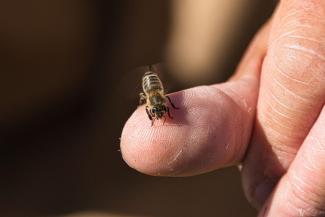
299 61
298 48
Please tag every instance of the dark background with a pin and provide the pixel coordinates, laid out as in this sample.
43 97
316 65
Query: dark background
69 79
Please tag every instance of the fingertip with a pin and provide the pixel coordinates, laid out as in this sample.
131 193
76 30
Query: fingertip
209 131
154 149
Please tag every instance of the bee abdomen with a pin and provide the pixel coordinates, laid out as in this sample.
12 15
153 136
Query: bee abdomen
151 82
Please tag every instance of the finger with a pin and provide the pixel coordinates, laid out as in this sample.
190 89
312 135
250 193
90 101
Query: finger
301 192
291 95
210 130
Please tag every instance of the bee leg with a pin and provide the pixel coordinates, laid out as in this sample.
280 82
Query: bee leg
164 120
143 98
148 113
170 101
168 112
152 121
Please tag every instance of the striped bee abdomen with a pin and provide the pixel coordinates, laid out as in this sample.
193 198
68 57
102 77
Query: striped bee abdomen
151 82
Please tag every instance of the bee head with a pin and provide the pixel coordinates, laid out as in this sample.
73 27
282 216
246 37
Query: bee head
159 111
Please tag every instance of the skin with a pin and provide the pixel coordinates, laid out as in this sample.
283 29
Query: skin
269 117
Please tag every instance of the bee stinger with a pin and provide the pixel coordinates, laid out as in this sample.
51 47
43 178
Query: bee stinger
154 97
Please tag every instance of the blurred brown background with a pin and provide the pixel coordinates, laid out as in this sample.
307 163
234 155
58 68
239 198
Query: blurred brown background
68 82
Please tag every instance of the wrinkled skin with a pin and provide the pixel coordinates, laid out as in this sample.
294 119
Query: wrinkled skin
269 117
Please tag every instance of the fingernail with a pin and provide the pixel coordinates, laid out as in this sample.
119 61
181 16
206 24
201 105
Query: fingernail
262 191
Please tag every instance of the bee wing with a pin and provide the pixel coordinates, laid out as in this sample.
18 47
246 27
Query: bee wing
170 84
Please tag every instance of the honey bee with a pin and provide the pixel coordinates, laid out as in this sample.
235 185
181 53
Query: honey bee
154 97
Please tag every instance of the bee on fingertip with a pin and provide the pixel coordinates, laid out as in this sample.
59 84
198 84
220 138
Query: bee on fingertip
154 97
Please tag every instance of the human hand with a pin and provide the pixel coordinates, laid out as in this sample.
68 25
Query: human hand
214 125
